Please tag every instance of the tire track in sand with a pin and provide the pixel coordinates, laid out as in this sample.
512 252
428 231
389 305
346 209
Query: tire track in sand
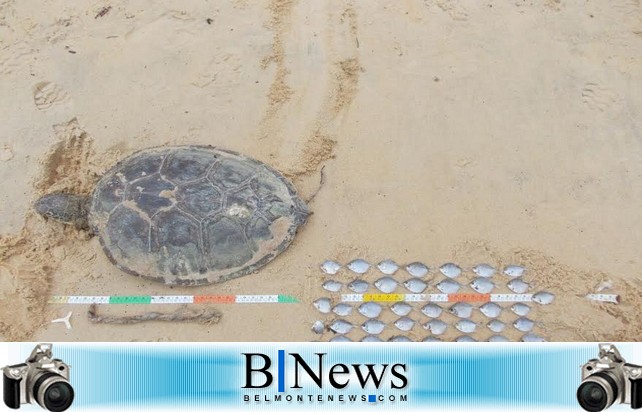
279 92
321 96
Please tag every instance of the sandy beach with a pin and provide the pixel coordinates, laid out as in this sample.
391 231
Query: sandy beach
500 132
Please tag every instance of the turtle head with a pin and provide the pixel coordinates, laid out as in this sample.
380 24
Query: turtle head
65 207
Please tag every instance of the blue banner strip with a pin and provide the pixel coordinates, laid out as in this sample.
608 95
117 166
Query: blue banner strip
450 376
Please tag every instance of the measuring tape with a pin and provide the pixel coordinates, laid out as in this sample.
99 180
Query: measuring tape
603 297
436 297
172 299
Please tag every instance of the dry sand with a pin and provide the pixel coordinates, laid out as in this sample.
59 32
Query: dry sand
467 131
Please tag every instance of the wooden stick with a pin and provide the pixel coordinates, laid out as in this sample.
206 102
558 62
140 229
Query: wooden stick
207 316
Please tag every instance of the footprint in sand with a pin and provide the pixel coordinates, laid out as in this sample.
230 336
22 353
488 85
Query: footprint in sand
598 97
452 7
46 94
6 153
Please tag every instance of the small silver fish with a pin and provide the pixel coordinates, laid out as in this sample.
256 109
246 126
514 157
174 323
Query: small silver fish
465 338
341 326
332 285
484 270
520 309
491 309
386 284
371 338
432 310
498 338
341 338
358 286
415 285
318 327
448 286
431 339
461 309
450 270
417 269
373 326
518 286
524 324
531 337
514 271
543 298
466 326
436 326
496 326
482 285
404 324
330 267
387 267
359 266
323 305
370 309
342 309
401 308
399 338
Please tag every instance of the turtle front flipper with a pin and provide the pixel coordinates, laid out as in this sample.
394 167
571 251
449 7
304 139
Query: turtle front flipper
65 208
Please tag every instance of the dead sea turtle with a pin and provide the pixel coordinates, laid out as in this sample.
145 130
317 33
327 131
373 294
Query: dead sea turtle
186 215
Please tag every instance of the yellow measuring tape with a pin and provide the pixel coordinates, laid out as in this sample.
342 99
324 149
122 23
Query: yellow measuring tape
384 297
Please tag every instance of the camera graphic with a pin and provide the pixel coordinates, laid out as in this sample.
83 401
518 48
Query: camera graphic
41 379
609 380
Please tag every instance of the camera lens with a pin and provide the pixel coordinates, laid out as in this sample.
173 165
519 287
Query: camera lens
592 396
58 396
53 392
597 392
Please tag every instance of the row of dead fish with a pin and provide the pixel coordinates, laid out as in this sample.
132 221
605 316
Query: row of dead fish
528 337
387 284
419 270
436 327
463 310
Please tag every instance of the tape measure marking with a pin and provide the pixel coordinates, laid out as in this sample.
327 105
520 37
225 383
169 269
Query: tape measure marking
257 299
508 297
423 297
287 299
604 297
214 299
469 297
436 297
172 299
84 299
383 297
130 300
